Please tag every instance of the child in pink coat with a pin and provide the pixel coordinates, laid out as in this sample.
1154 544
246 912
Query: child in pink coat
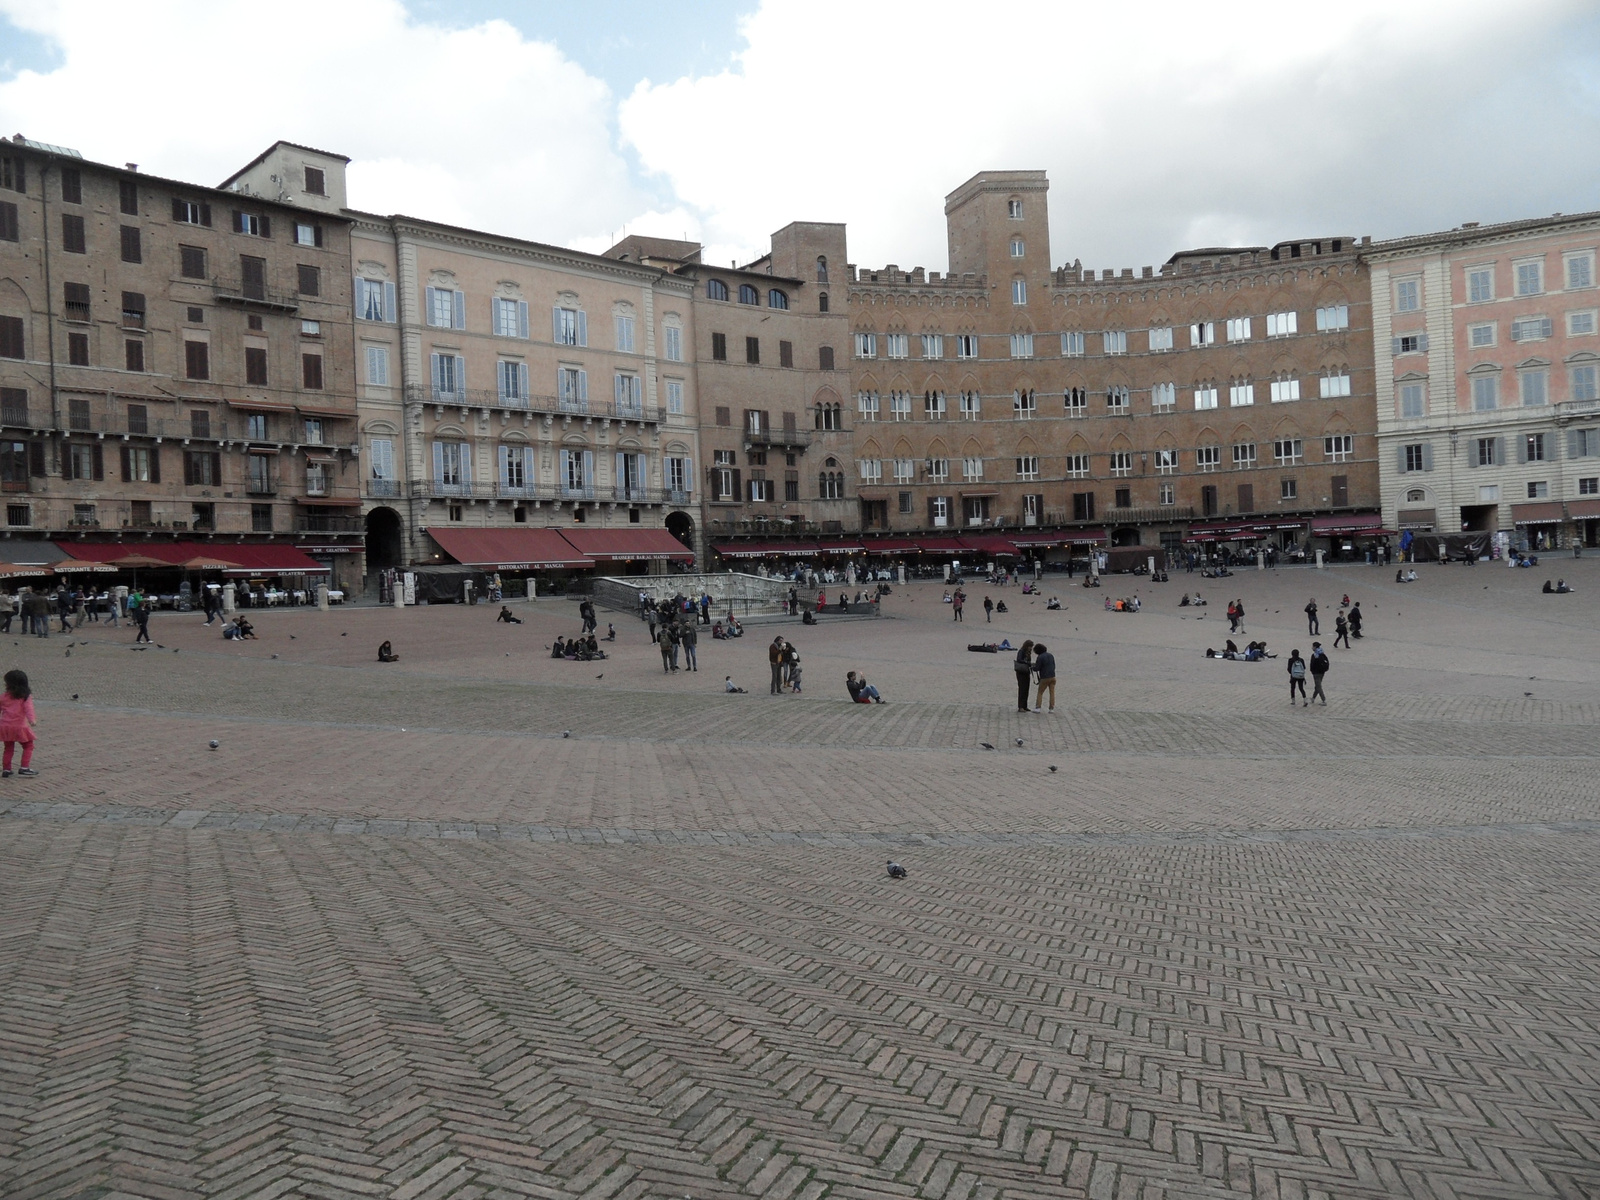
16 722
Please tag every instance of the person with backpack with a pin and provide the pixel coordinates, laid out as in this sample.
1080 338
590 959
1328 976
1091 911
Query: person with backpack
1319 668
1297 679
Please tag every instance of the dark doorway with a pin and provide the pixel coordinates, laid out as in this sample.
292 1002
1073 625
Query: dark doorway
1208 500
385 541
1125 537
681 526
1479 518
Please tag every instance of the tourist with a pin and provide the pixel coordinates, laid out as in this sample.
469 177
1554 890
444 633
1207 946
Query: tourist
775 661
691 639
1024 669
957 601
1319 668
17 720
1313 627
611 632
1297 678
1044 665
988 610
558 648
793 665
728 686
386 653
861 692
668 648
1355 619
505 615
141 618
1341 629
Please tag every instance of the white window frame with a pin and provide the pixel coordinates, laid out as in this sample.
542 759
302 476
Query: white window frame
1019 292
1333 318
867 405
1408 294
1160 338
1533 387
939 470
933 406
672 343
1166 494
1077 466
675 397
866 345
1528 277
1072 345
1018 248
1485 393
1022 345
1121 463
1288 452
1408 392
375 296
1114 341
570 327
1166 462
905 470
1482 335
1238 329
1584 382
1118 398
897 345
1208 459
1244 456
1582 322
971 404
1483 275
933 346
377 366
1163 396
511 380
1024 404
510 317
966 346
899 406
1331 387
1205 397
1203 333
1583 258
1283 324
1339 447
446 308
623 330
971 470
380 459
1028 467
1284 391
1241 395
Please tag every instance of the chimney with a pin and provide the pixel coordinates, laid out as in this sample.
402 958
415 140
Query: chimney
131 166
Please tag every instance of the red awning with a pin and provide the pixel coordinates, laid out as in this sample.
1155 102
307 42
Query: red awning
1548 513
844 547
509 549
942 545
1583 510
1037 541
1084 537
1364 524
893 546
767 549
991 544
252 558
625 545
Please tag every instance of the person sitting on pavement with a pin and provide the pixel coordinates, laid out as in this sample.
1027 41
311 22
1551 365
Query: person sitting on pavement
1562 588
728 685
861 692
558 648
386 653
734 628
1053 603
246 630
505 615
1547 589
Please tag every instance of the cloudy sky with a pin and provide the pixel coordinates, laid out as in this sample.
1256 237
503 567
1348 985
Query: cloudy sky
1162 125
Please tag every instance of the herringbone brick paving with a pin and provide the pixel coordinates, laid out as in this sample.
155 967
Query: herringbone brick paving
397 937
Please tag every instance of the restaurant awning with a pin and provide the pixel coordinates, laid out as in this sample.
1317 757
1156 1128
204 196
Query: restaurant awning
767 549
1083 537
627 545
942 545
991 544
1037 541
846 546
1218 531
892 546
261 406
347 414
1364 524
1547 513
509 549
252 559
1418 518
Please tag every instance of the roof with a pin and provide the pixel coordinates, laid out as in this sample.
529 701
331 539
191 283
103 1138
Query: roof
262 157
509 549
1468 234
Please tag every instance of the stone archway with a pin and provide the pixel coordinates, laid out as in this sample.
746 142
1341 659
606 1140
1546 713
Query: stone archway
681 526
385 539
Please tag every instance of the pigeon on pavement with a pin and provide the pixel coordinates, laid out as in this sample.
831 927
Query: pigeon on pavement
896 871
1019 741
1052 770
986 745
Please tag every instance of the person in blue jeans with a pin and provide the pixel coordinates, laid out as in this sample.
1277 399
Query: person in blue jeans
1044 666
862 692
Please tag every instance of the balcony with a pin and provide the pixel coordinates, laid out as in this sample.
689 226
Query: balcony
433 489
247 294
518 491
556 405
383 489
309 522
797 439
1150 516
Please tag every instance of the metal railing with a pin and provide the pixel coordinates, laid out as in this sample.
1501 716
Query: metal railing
555 405
384 489
323 523
240 291
778 437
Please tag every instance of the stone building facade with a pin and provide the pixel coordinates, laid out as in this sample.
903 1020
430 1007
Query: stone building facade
1230 391
175 361
770 346
1488 380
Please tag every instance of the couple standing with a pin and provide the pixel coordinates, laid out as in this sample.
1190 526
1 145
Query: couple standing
1035 660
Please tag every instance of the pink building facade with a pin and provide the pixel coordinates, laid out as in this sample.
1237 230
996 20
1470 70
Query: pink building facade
1487 348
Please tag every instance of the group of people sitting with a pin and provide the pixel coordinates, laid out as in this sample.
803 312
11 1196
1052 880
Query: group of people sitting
1053 603
579 649
1217 572
1190 602
1253 652
1560 588
1403 576
731 628
1519 559
237 630
1127 604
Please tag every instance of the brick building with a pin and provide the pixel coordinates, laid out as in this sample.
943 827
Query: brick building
770 341
1488 380
1229 394
175 363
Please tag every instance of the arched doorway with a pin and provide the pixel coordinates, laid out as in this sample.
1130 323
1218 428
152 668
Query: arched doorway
385 540
681 526
1125 537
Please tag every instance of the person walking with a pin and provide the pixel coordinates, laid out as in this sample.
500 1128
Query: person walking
672 634
17 720
63 608
113 610
39 607
1024 669
1044 664
988 610
1238 612
1341 631
1319 668
664 644
1297 679
1312 627
691 640
1355 619
141 618
650 617
775 661
956 602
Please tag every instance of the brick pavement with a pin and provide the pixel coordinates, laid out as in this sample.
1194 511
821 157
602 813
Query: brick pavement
398 937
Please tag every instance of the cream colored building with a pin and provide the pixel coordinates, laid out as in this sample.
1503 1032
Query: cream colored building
511 385
1487 347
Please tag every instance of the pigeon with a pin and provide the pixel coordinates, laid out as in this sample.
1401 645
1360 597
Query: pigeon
67 653
986 745
292 638
274 656
344 635
70 645
602 675
175 649
1019 741
1524 693
75 695
896 871
1052 770
214 743
566 733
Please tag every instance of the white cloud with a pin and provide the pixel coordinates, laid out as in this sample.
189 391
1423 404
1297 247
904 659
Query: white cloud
1162 126
477 126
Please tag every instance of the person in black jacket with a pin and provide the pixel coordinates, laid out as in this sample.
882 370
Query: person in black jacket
1319 668
1024 669
1355 619
1297 679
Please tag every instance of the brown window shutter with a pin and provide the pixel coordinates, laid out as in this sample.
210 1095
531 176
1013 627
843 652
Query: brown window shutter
132 249
317 234
155 462
189 457
738 486
205 215
266 226
930 512
825 358
178 213
36 459
785 354
238 221
99 461
127 466
216 469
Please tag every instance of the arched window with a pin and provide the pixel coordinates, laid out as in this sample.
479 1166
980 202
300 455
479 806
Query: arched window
777 299
822 268
716 290
1416 496
749 295
822 302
